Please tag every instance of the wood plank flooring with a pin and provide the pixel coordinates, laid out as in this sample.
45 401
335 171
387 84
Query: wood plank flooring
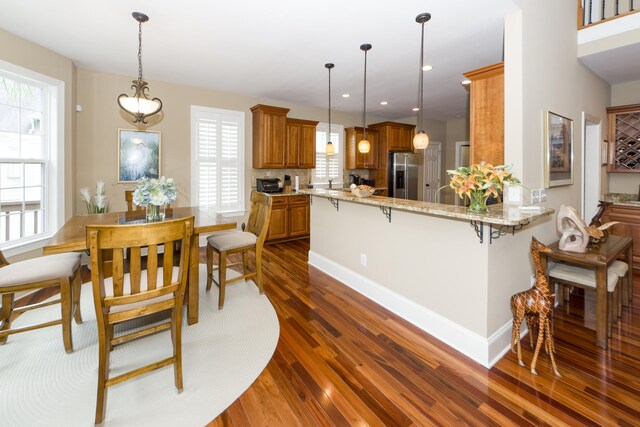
343 360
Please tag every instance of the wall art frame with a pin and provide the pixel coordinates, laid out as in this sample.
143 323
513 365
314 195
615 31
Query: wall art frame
558 150
138 155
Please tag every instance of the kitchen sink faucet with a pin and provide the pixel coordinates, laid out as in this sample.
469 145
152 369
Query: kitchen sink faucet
331 183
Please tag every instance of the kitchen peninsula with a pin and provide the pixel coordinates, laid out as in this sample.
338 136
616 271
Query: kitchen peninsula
426 263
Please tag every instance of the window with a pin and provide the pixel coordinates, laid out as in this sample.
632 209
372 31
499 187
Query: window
217 152
329 167
31 142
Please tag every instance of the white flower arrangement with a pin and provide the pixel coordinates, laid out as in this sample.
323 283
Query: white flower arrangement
99 203
156 192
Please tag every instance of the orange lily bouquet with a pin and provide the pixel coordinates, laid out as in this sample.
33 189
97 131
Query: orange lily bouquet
480 181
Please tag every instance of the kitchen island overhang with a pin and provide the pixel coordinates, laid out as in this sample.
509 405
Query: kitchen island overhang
427 264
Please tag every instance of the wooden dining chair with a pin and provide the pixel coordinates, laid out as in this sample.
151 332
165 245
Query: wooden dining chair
138 293
61 270
232 242
131 207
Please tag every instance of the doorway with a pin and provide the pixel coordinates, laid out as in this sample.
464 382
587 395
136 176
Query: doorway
462 159
591 170
432 172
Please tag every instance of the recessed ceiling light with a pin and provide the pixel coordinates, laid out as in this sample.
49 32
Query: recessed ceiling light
345 95
384 103
415 109
466 82
427 68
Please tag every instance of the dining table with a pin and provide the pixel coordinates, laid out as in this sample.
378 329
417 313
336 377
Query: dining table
598 258
72 237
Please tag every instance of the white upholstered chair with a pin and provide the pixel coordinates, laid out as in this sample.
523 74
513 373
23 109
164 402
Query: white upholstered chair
61 270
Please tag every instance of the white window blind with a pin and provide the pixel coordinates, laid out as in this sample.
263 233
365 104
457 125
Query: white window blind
218 158
329 167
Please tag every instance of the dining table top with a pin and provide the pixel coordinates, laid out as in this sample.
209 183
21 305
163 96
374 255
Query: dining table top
72 235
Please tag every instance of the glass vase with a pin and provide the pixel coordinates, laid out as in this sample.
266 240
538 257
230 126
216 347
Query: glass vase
477 202
155 213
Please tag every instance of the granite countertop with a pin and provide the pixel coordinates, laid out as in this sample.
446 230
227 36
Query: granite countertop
499 214
622 199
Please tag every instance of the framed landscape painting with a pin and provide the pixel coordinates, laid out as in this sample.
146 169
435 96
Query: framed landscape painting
138 155
558 150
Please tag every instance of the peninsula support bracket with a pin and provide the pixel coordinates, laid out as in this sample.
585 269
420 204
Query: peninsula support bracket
334 202
478 226
503 230
386 212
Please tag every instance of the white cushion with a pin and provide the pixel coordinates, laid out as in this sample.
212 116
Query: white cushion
40 269
582 276
126 285
232 240
619 268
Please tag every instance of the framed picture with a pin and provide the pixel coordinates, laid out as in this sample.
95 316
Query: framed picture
138 155
558 150
604 153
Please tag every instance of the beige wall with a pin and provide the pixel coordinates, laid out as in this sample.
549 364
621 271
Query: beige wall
542 73
25 54
98 124
625 94
456 130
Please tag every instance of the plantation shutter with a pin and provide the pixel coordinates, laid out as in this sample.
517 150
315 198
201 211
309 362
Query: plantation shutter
328 167
219 162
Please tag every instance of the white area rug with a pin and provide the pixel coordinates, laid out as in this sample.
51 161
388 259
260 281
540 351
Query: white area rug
41 385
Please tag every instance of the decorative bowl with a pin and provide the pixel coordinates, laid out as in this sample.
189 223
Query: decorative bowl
362 190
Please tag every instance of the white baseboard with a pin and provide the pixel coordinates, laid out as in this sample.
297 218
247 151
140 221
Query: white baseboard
486 351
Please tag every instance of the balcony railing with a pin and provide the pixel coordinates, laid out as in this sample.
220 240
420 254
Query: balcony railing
592 12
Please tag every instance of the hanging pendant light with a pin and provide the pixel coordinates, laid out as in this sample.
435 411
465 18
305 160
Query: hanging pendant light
139 105
364 146
330 149
421 139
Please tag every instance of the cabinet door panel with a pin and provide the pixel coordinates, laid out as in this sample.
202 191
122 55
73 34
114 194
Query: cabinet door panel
307 156
629 226
292 150
279 222
274 143
299 219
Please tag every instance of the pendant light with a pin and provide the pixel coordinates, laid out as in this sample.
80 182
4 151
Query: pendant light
364 146
421 139
138 104
330 149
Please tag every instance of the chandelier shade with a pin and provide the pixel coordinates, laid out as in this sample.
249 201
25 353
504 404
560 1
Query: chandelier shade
139 105
421 139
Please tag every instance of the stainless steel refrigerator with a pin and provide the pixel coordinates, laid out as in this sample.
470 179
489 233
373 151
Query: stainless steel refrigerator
403 175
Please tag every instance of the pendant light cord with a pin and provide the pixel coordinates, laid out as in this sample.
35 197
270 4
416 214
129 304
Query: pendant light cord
329 136
139 51
421 89
364 106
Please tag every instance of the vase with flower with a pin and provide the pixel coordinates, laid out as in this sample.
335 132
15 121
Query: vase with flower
480 181
99 202
155 195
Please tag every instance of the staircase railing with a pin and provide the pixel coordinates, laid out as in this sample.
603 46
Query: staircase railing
592 12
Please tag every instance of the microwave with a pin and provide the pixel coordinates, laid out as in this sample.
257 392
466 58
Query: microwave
269 185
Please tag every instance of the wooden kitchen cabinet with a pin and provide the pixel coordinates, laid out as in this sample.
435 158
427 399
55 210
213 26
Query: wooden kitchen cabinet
269 136
391 137
486 113
629 226
624 138
300 149
289 218
354 158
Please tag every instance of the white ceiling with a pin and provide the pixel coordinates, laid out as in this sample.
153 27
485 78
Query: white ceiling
277 49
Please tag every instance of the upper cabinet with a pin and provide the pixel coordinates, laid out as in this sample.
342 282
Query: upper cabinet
624 138
281 142
487 114
354 158
300 150
394 136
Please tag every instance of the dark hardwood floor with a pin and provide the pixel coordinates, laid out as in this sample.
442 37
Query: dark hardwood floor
343 360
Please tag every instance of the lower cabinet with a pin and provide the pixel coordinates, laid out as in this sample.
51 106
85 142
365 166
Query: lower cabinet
289 218
629 218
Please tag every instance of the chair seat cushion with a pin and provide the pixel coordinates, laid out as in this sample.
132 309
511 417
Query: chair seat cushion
231 240
581 276
126 285
620 268
41 269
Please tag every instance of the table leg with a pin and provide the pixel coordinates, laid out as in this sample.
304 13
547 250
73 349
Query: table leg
601 306
628 290
194 252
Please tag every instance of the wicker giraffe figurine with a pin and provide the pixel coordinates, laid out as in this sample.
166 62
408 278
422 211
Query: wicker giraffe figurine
536 304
